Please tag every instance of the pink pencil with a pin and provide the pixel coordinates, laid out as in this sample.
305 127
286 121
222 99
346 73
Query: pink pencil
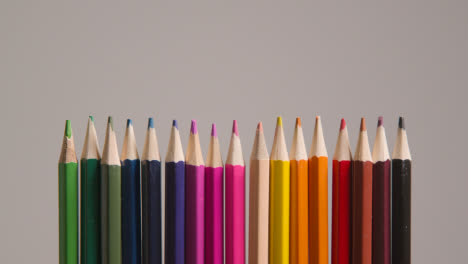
235 201
214 202
194 200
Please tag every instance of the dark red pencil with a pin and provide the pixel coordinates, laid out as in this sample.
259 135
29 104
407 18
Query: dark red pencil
362 200
381 198
341 208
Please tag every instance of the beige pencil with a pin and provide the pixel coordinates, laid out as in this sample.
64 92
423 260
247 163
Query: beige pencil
259 200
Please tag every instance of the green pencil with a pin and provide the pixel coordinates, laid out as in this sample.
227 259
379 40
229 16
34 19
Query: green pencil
68 199
111 238
90 197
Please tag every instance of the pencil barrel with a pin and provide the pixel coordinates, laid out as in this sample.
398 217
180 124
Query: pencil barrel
90 211
299 219
401 211
214 215
151 212
195 214
111 234
175 213
68 212
381 212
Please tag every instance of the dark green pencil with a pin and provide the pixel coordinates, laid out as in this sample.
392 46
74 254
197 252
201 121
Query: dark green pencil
90 197
111 236
68 200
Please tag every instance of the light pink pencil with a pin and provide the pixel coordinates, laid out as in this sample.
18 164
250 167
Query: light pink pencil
235 201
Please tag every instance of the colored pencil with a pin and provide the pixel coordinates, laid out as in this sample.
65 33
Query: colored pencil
235 200
90 197
401 198
299 225
318 197
194 200
151 198
174 247
131 211
362 200
279 199
68 199
111 233
214 202
259 198
341 208
381 198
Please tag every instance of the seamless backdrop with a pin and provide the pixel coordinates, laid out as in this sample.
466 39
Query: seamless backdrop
222 60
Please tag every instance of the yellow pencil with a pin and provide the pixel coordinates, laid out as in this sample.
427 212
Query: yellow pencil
279 199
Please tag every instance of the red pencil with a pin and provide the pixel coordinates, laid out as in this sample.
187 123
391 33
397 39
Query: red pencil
341 208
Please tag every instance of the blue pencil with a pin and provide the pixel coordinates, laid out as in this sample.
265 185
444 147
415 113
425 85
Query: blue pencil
131 225
151 197
175 200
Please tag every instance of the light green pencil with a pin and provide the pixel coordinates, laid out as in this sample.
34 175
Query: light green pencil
68 199
111 238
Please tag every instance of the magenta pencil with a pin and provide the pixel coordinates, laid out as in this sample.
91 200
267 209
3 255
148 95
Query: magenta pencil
214 202
235 201
194 200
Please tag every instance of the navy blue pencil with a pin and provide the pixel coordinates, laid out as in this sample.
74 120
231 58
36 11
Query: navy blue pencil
151 197
131 225
175 200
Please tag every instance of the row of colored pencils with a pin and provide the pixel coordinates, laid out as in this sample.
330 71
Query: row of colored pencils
121 203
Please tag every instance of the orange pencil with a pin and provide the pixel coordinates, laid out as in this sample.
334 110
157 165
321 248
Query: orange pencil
299 223
318 198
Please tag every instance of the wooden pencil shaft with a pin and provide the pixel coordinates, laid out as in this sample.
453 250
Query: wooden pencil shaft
90 211
318 210
401 211
381 212
68 212
111 236
151 211
362 212
258 211
299 219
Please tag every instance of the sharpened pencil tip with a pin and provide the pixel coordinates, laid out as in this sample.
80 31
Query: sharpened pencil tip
380 122
174 124
401 123
150 122
110 122
68 129
279 121
214 133
343 124
193 127
235 130
92 118
129 122
363 124
298 122
260 127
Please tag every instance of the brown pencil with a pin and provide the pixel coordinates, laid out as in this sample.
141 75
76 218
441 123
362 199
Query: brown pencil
362 200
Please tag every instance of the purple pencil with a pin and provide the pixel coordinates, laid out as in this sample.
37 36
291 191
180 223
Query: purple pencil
194 200
214 202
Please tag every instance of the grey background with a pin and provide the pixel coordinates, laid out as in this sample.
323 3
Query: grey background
220 61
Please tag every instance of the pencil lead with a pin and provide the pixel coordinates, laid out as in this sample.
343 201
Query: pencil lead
129 122
110 122
363 124
235 130
401 123
214 133
150 123
380 122
279 121
260 127
193 128
92 118
343 124
68 129
174 124
298 122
